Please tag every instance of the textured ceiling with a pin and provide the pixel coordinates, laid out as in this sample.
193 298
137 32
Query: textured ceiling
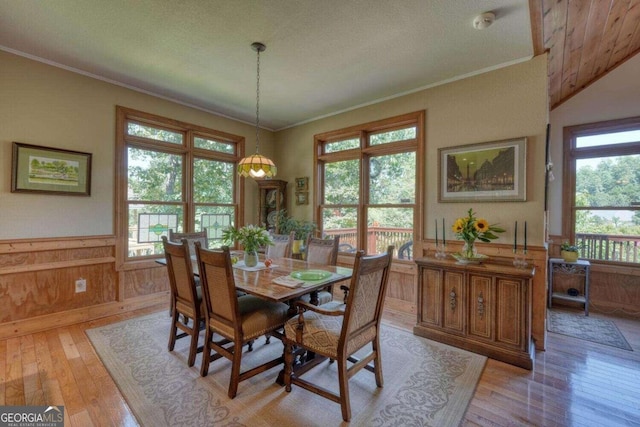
322 57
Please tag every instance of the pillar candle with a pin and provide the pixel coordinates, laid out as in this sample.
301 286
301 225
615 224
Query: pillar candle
515 238
436 232
443 234
525 236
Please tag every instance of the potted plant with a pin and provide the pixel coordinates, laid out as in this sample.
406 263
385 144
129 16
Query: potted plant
569 252
301 228
251 237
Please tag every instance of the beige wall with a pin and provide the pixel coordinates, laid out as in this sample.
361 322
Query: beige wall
49 106
614 96
508 103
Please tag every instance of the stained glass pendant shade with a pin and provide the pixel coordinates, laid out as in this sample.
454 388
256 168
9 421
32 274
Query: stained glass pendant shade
257 165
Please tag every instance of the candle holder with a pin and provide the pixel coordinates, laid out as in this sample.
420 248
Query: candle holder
519 260
441 251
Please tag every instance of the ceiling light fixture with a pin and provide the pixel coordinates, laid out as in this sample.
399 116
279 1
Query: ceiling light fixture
257 165
484 20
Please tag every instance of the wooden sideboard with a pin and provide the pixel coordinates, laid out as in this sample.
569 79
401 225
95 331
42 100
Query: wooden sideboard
484 308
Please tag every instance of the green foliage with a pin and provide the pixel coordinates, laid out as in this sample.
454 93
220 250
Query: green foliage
470 228
301 228
611 183
567 247
251 237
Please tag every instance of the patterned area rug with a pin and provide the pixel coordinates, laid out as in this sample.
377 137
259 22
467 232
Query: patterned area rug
587 328
425 383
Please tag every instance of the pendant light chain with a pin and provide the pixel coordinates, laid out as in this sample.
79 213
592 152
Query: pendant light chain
258 104
257 166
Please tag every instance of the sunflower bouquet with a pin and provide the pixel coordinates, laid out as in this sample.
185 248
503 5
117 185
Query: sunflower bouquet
470 228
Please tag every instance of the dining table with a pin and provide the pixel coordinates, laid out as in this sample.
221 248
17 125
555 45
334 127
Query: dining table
300 278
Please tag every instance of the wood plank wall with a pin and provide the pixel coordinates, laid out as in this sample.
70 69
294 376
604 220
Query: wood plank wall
37 283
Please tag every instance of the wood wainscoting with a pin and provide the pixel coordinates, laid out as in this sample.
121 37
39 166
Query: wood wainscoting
402 294
37 283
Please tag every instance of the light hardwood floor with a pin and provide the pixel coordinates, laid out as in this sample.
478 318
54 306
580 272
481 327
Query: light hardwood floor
573 383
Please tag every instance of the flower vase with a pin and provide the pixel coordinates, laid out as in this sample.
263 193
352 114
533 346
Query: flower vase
469 254
250 258
469 250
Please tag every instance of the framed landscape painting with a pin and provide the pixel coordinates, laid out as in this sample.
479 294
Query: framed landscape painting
489 171
50 170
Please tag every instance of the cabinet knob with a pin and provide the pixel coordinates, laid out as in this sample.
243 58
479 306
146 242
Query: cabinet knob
480 305
452 299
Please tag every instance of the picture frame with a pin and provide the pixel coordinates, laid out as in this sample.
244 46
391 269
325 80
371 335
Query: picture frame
302 184
302 197
38 169
485 172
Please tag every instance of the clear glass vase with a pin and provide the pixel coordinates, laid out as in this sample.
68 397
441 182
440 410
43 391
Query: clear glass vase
469 250
250 258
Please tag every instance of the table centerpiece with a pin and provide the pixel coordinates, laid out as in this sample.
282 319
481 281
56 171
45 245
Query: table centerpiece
251 237
469 229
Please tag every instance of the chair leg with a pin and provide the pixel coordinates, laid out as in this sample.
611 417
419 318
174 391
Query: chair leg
377 362
206 353
172 333
343 379
288 365
235 369
193 349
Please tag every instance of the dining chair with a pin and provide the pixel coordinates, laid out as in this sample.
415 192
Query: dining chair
339 334
282 246
238 319
322 251
186 297
192 238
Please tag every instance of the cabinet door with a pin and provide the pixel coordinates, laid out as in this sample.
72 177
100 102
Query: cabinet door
454 301
481 306
430 296
511 328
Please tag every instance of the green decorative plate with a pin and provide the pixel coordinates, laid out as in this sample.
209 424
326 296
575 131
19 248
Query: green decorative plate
311 275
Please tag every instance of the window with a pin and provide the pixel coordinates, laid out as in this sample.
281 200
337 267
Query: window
173 175
368 187
602 178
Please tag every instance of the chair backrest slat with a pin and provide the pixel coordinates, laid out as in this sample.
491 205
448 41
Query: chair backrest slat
192 238
180 270
218 287
282 246
366 292
322 251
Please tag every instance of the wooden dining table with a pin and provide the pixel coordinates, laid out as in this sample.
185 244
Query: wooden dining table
258 281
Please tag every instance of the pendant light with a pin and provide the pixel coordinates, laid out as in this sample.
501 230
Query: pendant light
257 166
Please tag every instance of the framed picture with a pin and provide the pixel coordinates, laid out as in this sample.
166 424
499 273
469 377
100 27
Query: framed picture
302 197
489 171
302 184
38 169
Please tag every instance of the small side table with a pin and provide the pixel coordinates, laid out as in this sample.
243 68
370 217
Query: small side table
578 268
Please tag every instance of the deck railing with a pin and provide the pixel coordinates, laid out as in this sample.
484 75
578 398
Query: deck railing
609 247
377 237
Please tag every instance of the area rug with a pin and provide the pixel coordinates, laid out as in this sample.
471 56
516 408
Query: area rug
587 328
425 383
